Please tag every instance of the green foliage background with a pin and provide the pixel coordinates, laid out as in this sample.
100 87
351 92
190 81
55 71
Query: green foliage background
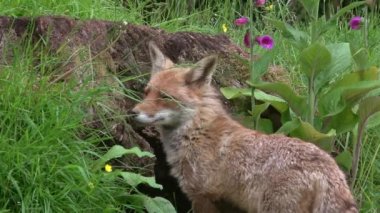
46 167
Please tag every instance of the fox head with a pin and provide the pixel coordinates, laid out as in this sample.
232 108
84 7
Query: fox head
174 93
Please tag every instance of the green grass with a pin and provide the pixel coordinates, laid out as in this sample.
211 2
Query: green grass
86 9
47 167
368 184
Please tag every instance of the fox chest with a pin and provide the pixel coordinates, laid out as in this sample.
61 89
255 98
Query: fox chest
181 157
182 166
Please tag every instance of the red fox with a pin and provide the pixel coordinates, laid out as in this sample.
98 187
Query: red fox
215 158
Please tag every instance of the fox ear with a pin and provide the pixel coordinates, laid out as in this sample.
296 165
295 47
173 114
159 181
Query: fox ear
202 72
158 59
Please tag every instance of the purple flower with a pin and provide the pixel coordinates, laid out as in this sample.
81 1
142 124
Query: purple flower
247 39
260 3
241 21
265 41
355 22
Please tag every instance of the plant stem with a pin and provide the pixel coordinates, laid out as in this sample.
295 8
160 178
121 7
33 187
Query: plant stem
366 27
311 100
356 155
251 40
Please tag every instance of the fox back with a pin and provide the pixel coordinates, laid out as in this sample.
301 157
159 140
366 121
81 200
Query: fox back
215 158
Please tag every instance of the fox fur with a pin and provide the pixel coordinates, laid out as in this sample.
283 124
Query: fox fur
215 158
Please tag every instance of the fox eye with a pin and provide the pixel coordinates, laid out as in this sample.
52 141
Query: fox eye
165 96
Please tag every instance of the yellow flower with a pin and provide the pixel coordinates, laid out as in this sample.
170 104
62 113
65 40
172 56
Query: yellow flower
108 168
270 7
224 27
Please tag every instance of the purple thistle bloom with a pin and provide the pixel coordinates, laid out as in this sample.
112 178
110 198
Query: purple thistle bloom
355 22
258 39
241 21
260 3
247 39
265 41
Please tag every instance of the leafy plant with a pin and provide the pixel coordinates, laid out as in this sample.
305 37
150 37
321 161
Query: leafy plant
335 88
152 205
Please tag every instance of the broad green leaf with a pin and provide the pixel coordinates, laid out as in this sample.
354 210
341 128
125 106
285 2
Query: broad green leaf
360 55
258 109
342 122
262 96
367 108
286 116
337 99
233 92
289 127
118 151
341 60
247 120
344 159
375 92
314 59
374 120
352 78
278 103
296 102
306 132
158 205
265 125
261 66
331 102
311 7
134 179
354 94
151 205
